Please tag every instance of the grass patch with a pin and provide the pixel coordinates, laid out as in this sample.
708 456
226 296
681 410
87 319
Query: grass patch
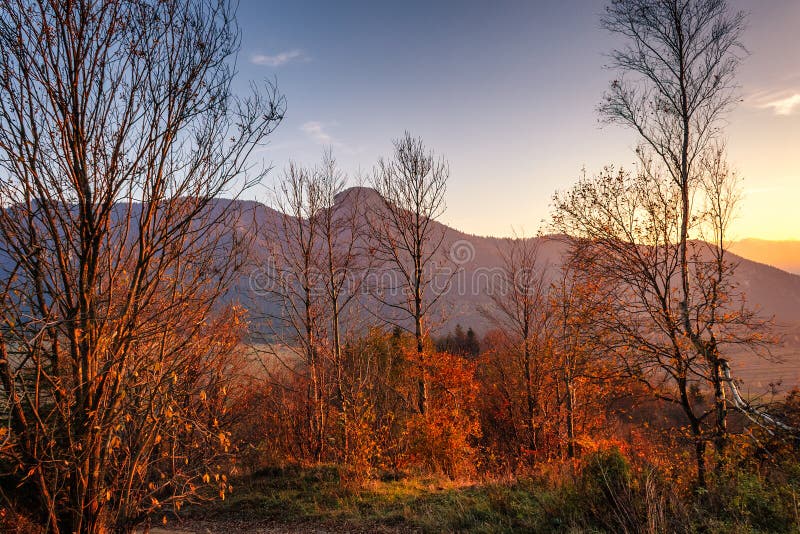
295 496
604 497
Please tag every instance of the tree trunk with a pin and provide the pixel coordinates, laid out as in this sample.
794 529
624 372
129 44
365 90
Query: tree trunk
721 409
531 401
318 415
697 433
422 385
570 416
700 456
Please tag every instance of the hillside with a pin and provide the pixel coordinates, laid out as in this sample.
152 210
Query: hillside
772 291
784 255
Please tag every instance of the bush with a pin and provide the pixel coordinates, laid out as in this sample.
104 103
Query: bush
605 487
749 502
613 495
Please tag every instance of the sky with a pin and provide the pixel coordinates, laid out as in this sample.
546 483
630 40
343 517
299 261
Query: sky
507 92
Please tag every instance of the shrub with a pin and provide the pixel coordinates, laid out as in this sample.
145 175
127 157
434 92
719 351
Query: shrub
745 500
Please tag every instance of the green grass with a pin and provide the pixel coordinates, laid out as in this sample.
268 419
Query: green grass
318 496
320 499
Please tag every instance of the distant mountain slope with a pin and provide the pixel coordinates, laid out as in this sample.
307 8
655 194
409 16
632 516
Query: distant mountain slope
776 293
772 290
784 255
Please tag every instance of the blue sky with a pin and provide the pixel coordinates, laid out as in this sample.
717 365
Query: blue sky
506 91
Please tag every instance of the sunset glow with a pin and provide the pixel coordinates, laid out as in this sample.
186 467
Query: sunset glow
508 92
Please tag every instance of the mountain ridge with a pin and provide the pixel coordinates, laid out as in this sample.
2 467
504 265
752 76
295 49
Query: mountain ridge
770 290
774 290
782 254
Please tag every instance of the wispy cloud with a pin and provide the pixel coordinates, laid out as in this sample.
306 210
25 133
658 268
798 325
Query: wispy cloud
316 131
281 58
784 106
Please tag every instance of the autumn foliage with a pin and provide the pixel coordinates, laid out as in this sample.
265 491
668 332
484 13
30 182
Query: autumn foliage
135 384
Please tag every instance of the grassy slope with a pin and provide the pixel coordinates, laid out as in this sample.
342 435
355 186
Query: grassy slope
318 499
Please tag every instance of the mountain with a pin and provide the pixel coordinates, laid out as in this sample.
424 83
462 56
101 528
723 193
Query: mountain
784 255
772 291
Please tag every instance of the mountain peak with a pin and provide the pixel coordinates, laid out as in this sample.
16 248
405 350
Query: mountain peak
360 194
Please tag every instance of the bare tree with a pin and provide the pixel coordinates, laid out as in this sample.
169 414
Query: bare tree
519 308
625 232
343 265
315 244
576 327
407 239
298 284
680 60
117 130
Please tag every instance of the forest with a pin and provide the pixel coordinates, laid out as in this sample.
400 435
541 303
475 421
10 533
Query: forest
177 358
